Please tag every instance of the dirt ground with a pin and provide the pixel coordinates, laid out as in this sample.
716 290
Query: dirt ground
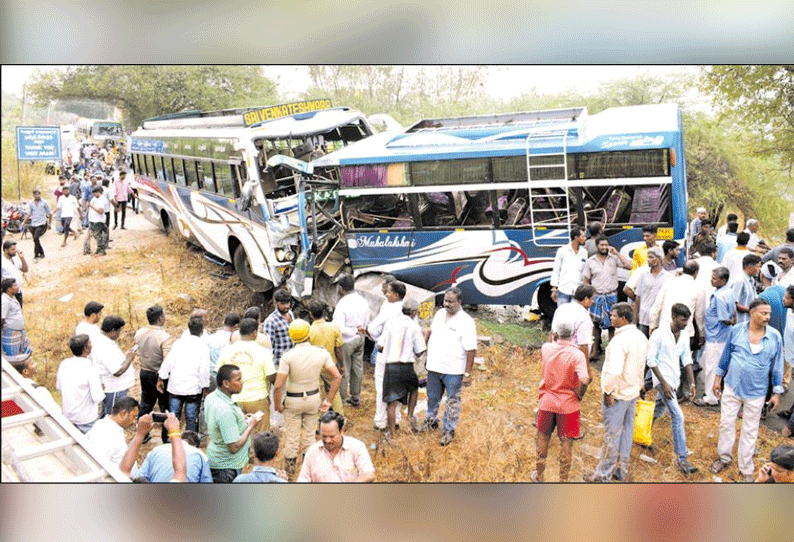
495 438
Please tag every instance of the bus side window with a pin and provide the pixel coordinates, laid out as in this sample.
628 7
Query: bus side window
223 178
179 172
191 176
206 175
158 165
168 170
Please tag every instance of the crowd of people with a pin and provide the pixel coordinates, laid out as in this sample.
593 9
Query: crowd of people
89 190
727 312
254 382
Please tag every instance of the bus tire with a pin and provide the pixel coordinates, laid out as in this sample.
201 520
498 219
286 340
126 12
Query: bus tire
243 268
168 228
546 305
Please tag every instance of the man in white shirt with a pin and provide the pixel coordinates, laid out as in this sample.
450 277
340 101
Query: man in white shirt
577 315
13 265
352 316
569 261
785 259
451 346
115 366
187 370
734 257
108 432
401 342
96 220
681 289
69 208
390 309
79 384
90 324
668 348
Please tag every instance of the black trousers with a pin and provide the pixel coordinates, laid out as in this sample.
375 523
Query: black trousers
123 207
37 232
150 396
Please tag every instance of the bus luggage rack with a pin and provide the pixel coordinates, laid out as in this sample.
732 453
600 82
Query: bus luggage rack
517 120
40 445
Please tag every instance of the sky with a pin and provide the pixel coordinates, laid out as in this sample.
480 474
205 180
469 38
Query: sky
505 81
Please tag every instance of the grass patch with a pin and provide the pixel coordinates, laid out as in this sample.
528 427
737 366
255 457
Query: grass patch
529 333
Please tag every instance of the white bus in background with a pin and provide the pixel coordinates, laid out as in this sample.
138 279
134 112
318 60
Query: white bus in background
206 176
98 131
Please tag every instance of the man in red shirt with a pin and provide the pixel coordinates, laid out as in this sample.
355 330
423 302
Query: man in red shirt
565 377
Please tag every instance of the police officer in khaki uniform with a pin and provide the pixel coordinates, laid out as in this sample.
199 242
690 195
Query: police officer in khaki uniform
298 374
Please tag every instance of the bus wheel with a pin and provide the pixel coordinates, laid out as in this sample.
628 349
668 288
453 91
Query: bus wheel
546 305
243 269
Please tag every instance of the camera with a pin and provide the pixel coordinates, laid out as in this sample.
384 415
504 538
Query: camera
159 417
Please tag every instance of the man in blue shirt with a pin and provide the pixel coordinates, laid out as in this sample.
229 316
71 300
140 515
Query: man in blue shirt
744 287
753 351
788 354
158 466
265 448
720 316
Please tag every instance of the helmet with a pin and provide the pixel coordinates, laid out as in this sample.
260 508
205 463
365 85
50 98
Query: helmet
299 330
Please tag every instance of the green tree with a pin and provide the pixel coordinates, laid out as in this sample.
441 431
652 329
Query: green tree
763 98
145 91
407 93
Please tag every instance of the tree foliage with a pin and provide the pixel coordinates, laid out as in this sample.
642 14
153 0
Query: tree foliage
145 91
763 98
407 93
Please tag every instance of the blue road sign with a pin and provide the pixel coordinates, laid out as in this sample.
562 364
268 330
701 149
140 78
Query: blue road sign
38 143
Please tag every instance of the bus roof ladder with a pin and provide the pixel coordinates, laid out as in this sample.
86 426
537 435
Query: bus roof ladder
41 445
549 206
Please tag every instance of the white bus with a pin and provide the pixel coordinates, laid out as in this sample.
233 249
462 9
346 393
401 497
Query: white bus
205 176
98 131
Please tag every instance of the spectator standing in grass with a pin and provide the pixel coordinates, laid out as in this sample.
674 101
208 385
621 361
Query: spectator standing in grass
256 365
720 316
564 381
154 344
79 384
351 314
401 342
229 429
15 342
336 457
187 370
298 377
569 262
621 381
753 352
13 265
667 349
115 366
39 216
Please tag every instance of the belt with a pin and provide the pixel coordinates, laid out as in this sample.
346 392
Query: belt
302 393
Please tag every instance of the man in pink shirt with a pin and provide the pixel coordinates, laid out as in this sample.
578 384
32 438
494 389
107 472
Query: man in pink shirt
566 375
121 193
337 457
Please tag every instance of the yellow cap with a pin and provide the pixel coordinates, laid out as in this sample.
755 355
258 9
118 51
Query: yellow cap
299 330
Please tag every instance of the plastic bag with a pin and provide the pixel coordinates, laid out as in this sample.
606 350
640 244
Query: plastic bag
643 421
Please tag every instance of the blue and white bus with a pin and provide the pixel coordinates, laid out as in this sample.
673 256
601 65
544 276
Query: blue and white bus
206 176
483 202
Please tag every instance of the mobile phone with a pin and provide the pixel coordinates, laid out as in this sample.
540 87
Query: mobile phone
159 417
